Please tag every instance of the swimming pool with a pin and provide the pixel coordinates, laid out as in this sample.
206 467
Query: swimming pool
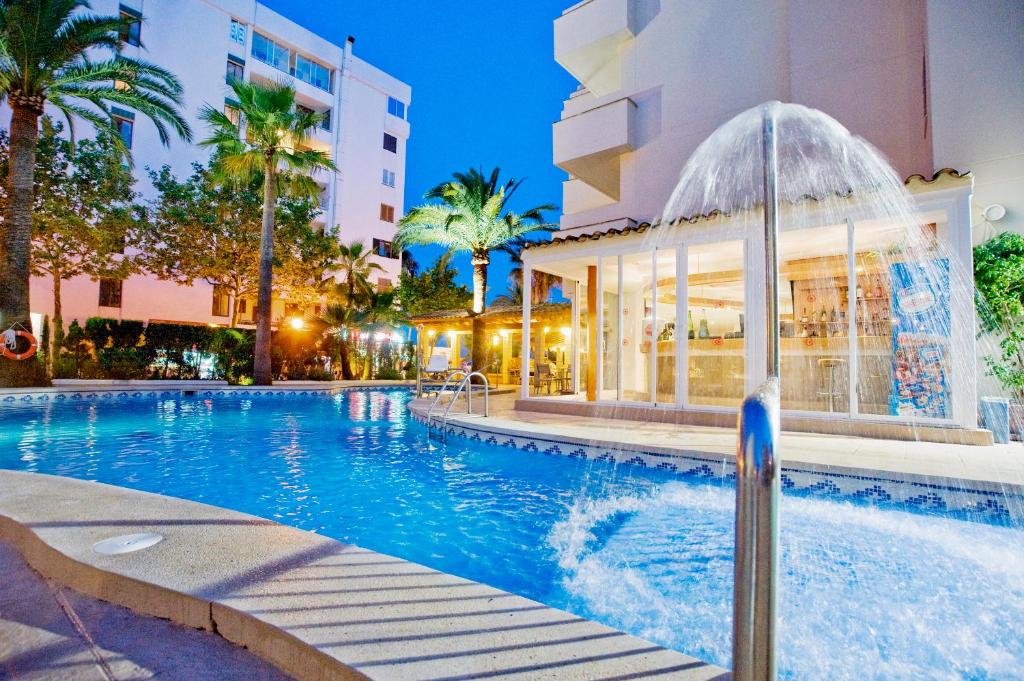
867 592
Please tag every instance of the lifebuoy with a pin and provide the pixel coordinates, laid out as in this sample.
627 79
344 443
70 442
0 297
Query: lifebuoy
9 344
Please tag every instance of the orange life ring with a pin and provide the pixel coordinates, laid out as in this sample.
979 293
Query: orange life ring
11 354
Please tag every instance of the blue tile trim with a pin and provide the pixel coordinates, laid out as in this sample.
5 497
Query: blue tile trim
985 505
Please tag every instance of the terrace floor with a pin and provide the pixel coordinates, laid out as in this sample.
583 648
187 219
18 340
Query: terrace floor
48 632
1000 463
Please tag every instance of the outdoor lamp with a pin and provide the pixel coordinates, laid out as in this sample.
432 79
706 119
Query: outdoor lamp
297 323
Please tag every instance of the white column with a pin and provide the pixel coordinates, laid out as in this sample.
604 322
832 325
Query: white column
524 353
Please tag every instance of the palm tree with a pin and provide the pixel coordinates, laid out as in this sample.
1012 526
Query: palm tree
379 313
341 317
471 214
48 55
541 283
354 262
273 149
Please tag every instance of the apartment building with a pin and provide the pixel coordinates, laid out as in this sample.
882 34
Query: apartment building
931 83
660 314
206 43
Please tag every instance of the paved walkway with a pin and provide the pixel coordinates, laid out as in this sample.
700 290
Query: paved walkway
48 633
998 463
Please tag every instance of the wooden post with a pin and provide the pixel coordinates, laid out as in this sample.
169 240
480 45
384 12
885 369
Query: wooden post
592 333
506 355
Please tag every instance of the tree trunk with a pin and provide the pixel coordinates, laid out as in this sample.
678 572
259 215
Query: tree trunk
261 367
16 238
58 320
368 362
234 308
346 359
479 352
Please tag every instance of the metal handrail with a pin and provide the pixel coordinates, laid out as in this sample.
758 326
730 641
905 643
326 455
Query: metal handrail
757 536
466 378
755 592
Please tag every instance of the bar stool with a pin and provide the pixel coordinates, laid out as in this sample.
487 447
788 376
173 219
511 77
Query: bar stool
828 366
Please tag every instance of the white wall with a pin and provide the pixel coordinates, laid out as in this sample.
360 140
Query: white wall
976 64
694 65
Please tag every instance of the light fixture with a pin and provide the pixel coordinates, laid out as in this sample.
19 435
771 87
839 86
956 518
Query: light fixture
379 336
297 323
431 332
495 339
994 212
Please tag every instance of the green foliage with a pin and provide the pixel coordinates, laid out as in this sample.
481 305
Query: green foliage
52 51
433 289
233 356
44 342
999 278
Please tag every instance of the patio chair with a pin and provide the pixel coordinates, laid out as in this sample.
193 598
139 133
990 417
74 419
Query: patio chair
543 377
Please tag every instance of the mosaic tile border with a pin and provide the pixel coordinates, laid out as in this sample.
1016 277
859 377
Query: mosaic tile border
976 502
113 394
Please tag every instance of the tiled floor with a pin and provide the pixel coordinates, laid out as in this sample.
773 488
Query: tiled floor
50 633
998 463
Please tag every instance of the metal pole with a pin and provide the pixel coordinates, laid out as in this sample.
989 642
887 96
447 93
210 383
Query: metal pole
757 469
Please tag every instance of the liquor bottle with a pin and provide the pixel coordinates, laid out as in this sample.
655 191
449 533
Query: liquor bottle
869 293
832 316
803 318
860 291
842 314
689 324
878 288
824 315
703 331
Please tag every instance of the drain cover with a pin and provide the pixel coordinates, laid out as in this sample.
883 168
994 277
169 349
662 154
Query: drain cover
126 543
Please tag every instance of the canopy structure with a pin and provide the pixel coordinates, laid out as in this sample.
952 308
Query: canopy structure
449 332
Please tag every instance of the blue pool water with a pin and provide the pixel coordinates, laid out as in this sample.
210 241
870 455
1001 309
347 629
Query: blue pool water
868 593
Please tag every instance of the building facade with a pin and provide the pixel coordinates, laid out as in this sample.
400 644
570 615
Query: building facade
206 43
875 339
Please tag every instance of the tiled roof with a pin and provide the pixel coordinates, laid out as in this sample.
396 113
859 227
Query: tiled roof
644 226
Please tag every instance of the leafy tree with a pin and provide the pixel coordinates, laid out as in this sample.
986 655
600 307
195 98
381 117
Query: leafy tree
50 52
84 213
340 318
999 278
273 149
202 229
471 213
434 289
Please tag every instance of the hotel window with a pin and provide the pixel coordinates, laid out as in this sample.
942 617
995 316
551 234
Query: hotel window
131 26
269 52
233 113
221 302
388 178
110 292
235 68
385 249
384 284
390 143
396 107
387 213
125 127
325 122
309 71
237 32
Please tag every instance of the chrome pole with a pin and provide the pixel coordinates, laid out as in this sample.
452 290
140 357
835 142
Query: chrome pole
757 468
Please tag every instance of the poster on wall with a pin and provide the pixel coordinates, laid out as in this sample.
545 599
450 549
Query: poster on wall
920 339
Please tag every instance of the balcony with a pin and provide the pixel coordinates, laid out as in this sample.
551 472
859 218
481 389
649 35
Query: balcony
589 40
590 144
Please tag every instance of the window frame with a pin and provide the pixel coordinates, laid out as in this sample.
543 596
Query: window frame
383 248
389 138
114 296
131 32
118 121
387 175
234 63
220 294
238 36
396 107
387 213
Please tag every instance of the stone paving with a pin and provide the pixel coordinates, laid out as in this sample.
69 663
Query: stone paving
48 632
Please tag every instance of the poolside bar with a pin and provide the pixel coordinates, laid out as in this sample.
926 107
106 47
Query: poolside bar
874 332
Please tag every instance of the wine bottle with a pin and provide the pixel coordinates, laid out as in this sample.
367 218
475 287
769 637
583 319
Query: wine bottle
878 288
803 318
860 291
704 331
689 324
824 315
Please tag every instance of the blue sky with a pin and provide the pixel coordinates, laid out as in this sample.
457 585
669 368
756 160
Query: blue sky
485 89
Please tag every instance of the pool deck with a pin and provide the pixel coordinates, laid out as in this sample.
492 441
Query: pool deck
1000 464
309 605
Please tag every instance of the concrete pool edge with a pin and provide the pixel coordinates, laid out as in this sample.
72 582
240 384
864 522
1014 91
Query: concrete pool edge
260 584
997 497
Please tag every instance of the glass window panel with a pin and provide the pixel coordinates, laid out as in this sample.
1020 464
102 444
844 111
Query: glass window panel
814 309
237 32
665 326
396 107
636 342
903 322
583 356
715 324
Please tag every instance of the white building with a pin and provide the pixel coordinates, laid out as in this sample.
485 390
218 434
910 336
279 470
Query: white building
658 326
207 42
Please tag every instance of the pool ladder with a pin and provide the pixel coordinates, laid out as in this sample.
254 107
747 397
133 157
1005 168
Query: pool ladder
437 424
